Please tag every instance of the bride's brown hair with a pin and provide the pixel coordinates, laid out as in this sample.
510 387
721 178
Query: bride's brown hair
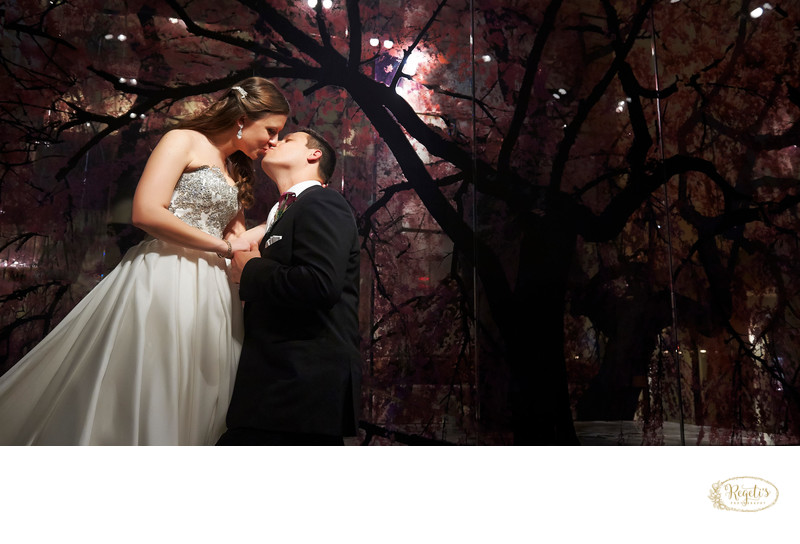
261 99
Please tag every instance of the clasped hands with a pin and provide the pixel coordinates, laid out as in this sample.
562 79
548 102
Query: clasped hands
243 251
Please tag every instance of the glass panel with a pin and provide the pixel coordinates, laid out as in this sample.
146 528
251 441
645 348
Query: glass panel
578 218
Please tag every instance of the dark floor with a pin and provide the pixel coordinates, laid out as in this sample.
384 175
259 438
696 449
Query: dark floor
593 433
630 433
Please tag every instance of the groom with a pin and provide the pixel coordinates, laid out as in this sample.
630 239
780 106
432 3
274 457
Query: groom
298 381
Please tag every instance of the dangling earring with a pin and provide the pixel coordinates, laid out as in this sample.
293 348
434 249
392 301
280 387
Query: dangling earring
239 134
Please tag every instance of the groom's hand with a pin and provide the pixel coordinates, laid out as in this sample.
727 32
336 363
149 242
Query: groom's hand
240 259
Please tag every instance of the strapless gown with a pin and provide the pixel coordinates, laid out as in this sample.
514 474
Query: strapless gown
149 356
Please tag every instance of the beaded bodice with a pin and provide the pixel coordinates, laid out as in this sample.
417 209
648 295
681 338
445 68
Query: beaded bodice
203 199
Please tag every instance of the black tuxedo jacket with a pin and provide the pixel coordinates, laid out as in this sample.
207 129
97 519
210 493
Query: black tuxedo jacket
300 367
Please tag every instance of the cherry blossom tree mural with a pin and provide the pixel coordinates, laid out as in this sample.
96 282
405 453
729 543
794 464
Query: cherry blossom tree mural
570 211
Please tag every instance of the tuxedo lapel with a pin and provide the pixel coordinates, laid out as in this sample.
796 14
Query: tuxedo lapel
293 202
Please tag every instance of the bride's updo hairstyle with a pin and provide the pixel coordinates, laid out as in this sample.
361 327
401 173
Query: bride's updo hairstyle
253 98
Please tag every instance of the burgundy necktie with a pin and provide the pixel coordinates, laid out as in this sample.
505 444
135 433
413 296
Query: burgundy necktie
286 200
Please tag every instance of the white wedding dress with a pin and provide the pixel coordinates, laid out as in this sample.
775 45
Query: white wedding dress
149 356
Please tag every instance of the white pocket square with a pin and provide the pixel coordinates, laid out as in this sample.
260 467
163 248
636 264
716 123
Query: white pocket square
272 239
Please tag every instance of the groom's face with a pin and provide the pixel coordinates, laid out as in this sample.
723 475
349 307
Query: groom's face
290 152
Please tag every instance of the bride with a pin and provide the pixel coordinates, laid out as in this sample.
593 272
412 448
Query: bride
149 356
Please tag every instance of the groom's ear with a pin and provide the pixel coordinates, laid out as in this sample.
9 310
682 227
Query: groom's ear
314 155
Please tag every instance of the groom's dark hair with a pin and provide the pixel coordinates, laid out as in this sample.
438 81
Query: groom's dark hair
327 162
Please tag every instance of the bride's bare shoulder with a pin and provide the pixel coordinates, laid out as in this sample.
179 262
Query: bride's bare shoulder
178 135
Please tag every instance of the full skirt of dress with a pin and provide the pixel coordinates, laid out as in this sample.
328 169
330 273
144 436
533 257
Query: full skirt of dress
148 357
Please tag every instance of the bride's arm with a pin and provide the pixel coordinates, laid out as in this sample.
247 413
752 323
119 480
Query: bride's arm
153 194
236 229
254 235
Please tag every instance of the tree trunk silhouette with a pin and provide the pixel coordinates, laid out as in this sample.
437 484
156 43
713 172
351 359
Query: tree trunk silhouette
540 394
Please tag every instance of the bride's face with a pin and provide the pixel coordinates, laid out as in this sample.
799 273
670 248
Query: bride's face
260 135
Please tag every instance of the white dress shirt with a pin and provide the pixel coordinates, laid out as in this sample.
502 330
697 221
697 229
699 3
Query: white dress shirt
297 188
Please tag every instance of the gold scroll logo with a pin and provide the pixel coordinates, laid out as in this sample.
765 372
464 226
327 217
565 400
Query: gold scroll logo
743 494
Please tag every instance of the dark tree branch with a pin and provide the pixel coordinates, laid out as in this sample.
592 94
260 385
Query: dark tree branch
354 29
36 32
20 240
420 35
531 65
476 252
328 57
613 218
481 104
373 430
224 37
322 26
573 127
389 193
151 98
642 141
